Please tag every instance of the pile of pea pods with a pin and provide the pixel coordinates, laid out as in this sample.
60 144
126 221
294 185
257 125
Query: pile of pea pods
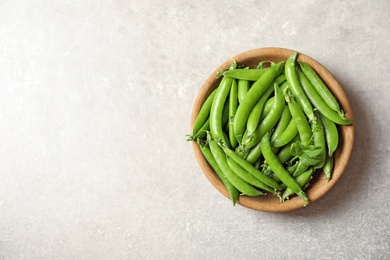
269 129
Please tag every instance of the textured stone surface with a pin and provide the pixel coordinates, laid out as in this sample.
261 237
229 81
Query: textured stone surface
95 102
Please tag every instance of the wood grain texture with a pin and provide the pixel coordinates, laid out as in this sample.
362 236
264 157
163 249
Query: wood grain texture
319 186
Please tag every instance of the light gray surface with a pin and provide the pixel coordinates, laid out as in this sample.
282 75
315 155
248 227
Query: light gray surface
96 99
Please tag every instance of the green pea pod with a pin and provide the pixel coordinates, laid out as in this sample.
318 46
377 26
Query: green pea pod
246 176
301 168
321 88
302 180
245 74
291 168
220 158
258 163
225 115
279 67
284 86
288 134
251 169
233 192
255 114
270 120
284 154
253 95
203 130
217 107
319 141
296 88
331 134
328 167
243 87
203 115
301 122
267 107
282 124
233 103
280 79
279 170
253 154
319 103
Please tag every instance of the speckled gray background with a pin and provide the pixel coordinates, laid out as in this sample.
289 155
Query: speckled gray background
96 98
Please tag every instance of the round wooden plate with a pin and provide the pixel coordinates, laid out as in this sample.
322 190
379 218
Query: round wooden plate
319 186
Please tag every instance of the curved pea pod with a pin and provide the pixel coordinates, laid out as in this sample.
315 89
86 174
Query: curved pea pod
328 167
321 88
284 153
280 79
301 168
202 117
320 104
302 180
246 176
245 74
286 136
233 103
243 87
319 141
253 95
282 124
267 107
220 158
331 134
251 169
233 192
296 88
203 130
279 170
217 107
253 154
270 120
300 120
291 168
255 114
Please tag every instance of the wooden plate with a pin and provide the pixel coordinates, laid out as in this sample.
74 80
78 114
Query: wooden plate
319 186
